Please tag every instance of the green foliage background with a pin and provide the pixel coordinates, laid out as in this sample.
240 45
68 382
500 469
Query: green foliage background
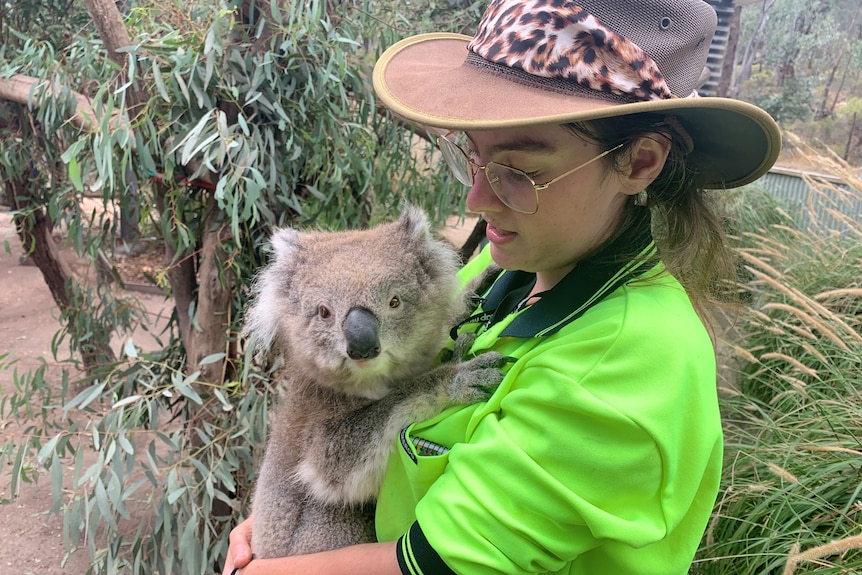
262 116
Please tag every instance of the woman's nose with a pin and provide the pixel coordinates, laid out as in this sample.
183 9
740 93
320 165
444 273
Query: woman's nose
481 198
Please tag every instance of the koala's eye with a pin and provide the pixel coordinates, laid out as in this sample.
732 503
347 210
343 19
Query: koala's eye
323 312
395 302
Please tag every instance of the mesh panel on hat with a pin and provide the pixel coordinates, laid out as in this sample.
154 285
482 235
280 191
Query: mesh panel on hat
680 50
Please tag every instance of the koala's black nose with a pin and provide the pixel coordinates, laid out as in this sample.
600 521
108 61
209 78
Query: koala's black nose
360 330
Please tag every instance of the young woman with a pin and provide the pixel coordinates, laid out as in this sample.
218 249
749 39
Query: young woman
576 127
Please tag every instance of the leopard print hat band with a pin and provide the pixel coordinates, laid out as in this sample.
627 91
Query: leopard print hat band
563 46
537 62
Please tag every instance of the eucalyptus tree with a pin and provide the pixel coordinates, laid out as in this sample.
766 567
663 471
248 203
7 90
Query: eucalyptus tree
203 124
797 58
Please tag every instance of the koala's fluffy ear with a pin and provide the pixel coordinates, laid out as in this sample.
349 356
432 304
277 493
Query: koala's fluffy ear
285 243
436 256
261 321
414 223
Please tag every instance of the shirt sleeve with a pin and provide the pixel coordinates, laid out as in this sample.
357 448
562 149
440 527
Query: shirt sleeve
604 435
417 557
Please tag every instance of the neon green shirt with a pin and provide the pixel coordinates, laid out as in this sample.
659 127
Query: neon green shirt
600 453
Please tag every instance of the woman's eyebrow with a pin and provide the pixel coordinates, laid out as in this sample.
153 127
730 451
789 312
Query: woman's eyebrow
526 144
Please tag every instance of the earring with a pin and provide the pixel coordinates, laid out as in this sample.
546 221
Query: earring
640 198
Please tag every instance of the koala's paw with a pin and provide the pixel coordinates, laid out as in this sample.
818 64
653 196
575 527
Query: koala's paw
463 345
476 379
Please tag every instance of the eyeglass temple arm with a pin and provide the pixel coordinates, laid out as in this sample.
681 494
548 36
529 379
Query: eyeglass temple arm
540 187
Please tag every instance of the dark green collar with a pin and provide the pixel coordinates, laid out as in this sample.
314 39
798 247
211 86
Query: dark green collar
587 284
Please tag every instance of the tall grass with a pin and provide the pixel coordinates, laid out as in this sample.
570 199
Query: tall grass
791 494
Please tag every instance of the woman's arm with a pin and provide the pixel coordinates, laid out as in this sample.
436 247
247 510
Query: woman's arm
366 559
370 559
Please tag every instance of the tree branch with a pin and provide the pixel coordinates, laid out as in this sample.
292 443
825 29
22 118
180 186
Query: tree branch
31 91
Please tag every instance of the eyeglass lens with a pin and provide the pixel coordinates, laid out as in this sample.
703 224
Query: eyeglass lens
513 187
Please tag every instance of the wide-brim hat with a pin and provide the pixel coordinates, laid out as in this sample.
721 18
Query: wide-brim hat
557 61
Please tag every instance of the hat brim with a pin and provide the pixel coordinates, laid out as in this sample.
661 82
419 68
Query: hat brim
425 80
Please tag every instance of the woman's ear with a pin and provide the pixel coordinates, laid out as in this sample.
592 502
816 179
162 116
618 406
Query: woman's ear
647 159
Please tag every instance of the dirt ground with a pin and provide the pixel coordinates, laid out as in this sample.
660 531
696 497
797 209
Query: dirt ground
32 541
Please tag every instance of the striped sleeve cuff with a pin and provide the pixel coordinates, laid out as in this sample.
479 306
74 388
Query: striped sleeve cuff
417 557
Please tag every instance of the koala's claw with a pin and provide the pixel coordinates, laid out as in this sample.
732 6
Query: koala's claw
488 390
463 345
477 379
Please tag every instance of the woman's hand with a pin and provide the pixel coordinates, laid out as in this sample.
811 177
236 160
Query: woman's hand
367 559
239 549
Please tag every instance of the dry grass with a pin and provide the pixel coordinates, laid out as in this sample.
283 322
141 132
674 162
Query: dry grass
790 496
819 552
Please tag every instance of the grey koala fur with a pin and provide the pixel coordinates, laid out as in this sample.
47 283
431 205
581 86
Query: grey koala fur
359 318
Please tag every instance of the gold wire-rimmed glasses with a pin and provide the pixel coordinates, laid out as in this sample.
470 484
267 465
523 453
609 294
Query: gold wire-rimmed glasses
514 187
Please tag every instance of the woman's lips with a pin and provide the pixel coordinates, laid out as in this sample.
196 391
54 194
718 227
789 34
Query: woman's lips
498 236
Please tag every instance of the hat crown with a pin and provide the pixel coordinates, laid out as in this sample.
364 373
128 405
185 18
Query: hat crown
636 49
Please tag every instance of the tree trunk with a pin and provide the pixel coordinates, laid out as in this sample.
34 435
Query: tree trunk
728 65
202 286
822 112
215 287
752 46
850 138
37 241
109 22
831 111
34 231
181 269
202 291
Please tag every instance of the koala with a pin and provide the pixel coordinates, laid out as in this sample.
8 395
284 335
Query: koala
359 318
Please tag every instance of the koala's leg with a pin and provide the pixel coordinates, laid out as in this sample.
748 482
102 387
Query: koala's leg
276 515
348 455
278 499
295 524
331 526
